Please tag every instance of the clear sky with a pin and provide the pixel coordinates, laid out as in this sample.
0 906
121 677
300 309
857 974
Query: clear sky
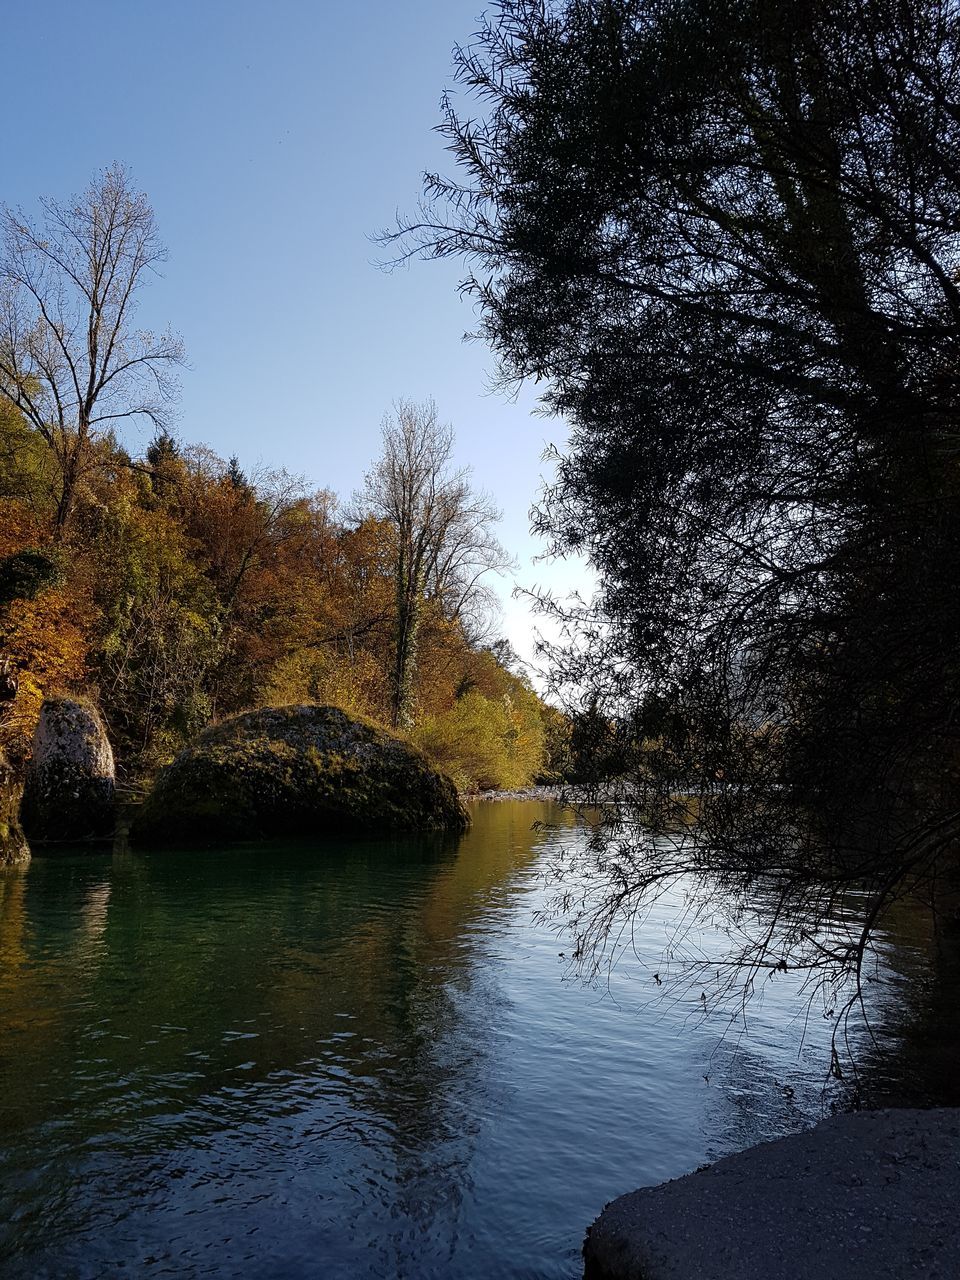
272 139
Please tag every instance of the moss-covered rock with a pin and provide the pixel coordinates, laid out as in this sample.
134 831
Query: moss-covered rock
13 845
69 793
299 770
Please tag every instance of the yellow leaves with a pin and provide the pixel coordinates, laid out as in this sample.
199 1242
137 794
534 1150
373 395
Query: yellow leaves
19 527
187 593
355 684
486 743
47 637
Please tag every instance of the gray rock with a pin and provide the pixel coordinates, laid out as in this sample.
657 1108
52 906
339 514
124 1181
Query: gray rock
69 792
14 849
296 771
867 1196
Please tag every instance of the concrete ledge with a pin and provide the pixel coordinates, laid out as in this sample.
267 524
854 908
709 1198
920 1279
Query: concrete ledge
869 1196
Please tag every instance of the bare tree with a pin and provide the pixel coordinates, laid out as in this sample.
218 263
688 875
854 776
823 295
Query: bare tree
444 541
71 360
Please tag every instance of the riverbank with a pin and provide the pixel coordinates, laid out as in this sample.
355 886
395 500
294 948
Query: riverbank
866 1196
545 795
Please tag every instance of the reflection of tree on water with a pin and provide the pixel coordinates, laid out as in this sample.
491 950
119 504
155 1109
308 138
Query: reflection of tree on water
710 932
12 926
235 1055
913 1058
684 957
34 1017
300 1012
418 979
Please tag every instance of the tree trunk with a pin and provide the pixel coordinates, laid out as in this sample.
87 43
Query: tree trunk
409 613
68 491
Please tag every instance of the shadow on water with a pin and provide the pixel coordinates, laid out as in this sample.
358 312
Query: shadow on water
912 1059
300 1032
351 1060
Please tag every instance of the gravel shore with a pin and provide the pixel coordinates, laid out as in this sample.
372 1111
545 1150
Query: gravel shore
867 1196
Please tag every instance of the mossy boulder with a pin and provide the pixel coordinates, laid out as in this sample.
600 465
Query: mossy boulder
69 792
13 845
296 771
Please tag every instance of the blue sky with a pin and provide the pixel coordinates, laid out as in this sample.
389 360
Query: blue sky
272 140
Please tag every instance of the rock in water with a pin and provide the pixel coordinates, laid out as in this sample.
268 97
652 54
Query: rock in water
69 792
13 845
298 770
872 1194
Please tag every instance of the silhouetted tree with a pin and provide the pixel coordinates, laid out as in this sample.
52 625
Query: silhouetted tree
724 234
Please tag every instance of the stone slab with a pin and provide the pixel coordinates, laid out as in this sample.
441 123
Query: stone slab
873 1195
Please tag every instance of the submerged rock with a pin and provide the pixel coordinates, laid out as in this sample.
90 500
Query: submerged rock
298 770
13 845
69 792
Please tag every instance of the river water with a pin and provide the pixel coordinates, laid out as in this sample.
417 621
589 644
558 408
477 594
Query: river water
355 1061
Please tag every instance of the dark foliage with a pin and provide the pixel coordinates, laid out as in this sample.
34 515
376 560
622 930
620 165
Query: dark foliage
25 574
725 236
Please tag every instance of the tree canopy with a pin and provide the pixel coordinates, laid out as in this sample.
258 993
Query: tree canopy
185 588
724 236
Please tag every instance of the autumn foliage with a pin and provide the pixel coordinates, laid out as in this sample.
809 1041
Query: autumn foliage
188 591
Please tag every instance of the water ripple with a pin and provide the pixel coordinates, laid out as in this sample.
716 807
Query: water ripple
359 1061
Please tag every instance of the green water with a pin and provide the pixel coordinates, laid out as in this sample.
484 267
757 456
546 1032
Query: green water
357 1061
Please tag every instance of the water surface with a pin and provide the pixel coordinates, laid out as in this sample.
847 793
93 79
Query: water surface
357 1061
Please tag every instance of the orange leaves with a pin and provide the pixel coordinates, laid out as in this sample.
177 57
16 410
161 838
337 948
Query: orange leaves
48 641
191 591
19 527
48 637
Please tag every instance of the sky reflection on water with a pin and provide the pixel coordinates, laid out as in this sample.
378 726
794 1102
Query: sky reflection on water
355 1061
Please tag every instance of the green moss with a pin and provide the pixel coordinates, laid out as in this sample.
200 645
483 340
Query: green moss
297 771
